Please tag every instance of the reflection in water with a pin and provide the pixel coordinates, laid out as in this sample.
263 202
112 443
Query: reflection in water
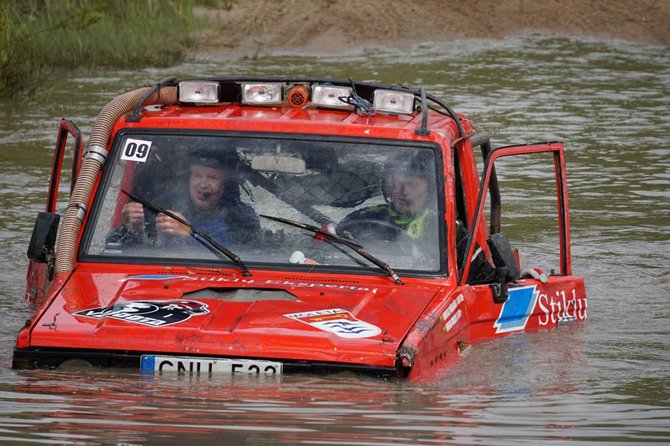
604 381
295 410
537 390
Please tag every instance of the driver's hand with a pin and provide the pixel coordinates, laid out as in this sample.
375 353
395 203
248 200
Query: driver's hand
133 216
168 225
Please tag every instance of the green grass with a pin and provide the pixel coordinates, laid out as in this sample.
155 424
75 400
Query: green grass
37 36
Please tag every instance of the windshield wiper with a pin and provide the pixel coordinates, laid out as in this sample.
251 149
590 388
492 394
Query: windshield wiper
346 242
194 232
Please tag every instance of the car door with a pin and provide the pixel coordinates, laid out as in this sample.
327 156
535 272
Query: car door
41 253
539 290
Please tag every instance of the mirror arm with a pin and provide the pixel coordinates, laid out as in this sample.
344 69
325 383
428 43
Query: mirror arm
499 288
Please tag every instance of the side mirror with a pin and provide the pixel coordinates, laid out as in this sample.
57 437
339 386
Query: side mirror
507 268
43 240
503 256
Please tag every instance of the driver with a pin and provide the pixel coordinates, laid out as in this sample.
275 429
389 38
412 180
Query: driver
212 204
409 193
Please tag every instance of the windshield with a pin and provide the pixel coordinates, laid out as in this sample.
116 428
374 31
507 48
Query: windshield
241 190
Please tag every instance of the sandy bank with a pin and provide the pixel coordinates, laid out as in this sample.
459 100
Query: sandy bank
254 27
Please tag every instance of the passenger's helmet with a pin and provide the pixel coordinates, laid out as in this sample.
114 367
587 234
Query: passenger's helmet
414 162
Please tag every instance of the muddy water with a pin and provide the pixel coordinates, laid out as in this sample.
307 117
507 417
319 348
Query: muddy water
603 382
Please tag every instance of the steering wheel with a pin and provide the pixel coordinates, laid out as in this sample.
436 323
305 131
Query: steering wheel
379 233
363 230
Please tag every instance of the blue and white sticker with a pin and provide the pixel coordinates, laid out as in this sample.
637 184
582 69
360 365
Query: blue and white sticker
516 311
136 150
337 321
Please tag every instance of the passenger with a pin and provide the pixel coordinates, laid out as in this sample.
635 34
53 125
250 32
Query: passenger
212 204
409 188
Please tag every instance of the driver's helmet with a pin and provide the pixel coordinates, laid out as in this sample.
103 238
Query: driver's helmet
414 162
222 159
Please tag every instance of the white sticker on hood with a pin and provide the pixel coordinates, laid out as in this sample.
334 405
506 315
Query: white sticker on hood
337 321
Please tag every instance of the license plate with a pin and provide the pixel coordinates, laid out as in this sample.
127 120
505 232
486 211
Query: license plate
207 366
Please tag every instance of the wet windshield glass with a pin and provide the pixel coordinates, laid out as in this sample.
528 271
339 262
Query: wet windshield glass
383 197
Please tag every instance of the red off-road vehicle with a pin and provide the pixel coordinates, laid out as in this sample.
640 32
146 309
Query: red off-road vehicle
267 226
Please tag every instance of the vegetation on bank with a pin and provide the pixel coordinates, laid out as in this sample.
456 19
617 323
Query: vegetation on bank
37 36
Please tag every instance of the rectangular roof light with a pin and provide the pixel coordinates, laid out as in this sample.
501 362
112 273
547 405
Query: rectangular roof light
266 93
391 101
199 92
328 96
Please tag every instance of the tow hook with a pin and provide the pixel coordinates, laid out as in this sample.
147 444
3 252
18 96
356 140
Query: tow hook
405 357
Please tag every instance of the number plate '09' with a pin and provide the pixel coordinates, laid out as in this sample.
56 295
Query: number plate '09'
208 366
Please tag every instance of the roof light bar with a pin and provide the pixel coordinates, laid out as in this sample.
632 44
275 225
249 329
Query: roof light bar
391 101
199 92
328 96
266 93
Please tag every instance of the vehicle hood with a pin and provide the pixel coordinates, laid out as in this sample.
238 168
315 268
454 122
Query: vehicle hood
325 318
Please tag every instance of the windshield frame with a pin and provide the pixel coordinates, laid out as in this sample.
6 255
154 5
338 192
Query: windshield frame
106 177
